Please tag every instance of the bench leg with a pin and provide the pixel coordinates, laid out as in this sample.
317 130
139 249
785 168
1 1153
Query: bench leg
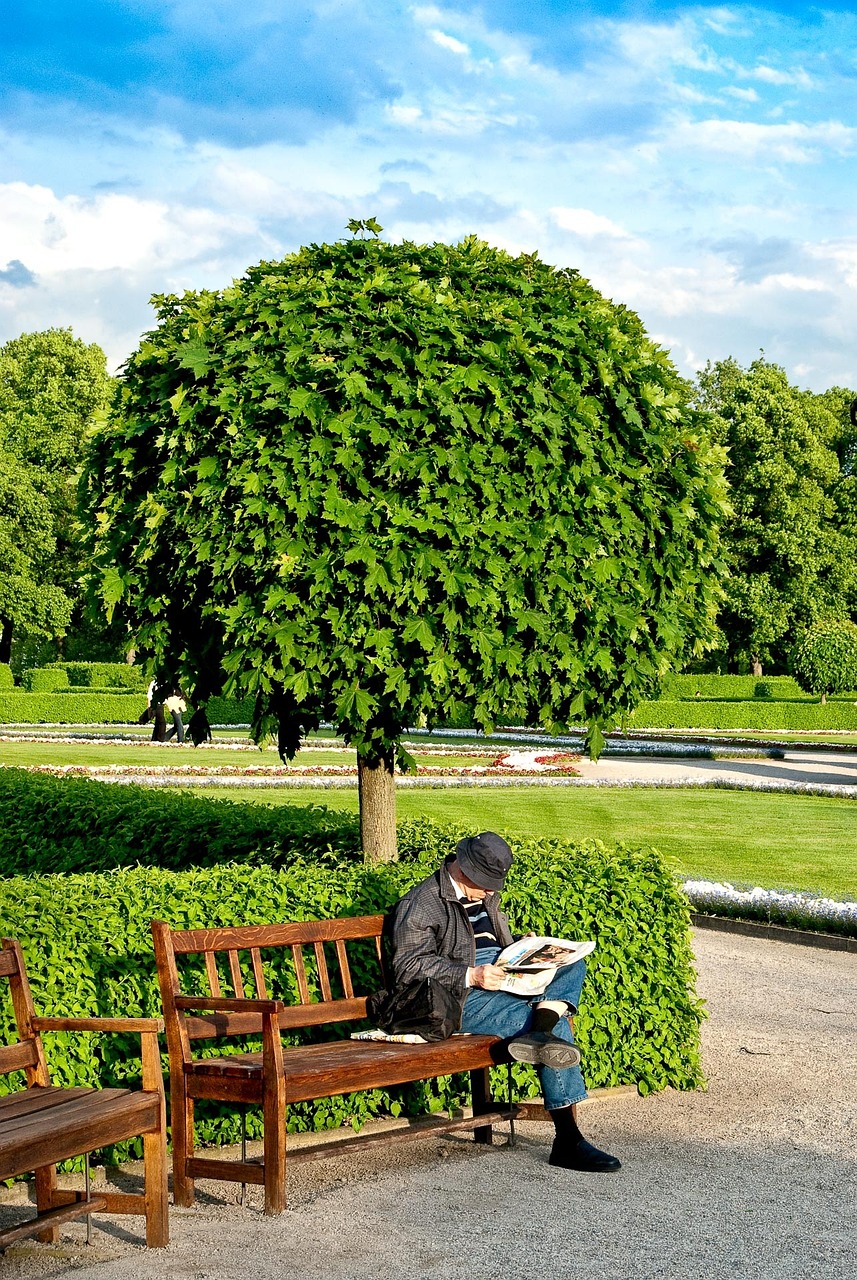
274 1144
46 1185
156 1190
480 1092
181 1110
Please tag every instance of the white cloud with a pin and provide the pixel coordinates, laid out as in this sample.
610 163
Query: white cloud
585 223
749 140
449 42
770 75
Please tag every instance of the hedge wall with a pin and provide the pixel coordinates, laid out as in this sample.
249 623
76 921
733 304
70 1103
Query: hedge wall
678 688
7 680
88 947
71 708
760 714
111 675
74 824
44 679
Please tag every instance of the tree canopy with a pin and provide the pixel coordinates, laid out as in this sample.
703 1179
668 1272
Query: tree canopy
376 483
51 385
790 545
825 657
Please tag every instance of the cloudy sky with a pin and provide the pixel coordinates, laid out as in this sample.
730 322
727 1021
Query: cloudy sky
695 161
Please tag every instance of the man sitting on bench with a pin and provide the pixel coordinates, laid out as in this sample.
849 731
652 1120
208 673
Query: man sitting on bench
449 927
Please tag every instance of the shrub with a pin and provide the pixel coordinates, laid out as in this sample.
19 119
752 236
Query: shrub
80 707
88 947
760 714
7 680
109 675
677 688
229 710
763 689
825 657
43 679
74 824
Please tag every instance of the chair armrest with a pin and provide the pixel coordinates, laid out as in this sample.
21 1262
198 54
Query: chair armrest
141 1025
224 1004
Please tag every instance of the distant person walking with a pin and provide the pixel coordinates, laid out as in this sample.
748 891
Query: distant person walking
155 711
176 706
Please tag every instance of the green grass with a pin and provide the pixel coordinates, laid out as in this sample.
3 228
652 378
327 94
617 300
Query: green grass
105 754
777 841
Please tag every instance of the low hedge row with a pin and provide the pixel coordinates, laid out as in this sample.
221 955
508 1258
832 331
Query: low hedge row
52 825
110 675
88 947
100 705
759 714
677 688
44 679
82 707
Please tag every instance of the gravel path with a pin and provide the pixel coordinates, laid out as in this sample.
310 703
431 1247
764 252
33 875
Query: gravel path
755 1178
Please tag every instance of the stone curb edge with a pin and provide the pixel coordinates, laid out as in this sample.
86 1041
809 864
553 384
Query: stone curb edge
775 932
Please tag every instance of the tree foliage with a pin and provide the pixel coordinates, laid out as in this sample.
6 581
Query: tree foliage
51 386
789 544
825 658
373 483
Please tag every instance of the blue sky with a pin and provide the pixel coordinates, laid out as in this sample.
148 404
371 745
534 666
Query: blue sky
694 161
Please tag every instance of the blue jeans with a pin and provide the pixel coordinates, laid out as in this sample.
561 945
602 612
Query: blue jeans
498 1013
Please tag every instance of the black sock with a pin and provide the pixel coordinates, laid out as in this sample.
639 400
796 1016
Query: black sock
544 1019
565 1124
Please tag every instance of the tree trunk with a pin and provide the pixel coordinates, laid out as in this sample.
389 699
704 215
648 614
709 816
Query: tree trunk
823 699
376 785
6 627
757 668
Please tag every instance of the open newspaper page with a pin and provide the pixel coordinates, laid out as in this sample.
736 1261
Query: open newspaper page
532 962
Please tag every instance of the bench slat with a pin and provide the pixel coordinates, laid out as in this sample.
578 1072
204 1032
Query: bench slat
14 1057
38 1098
98 1121
8 963
300 973
344 969
213 975
301 932
323 975
258 974
235 972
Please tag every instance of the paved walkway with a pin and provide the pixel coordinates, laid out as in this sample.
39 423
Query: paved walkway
755 1179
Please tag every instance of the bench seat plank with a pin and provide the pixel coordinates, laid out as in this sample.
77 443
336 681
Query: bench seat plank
348 1066
97 1119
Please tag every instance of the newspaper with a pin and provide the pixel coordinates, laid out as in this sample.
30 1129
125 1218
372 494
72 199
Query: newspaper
531 963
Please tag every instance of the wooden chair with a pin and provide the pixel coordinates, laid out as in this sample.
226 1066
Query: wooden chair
41 1124
283 1074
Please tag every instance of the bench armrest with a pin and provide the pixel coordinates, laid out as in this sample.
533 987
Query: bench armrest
141 1025
224 1004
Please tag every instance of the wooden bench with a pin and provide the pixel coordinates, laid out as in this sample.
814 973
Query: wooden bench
234 959
42 1124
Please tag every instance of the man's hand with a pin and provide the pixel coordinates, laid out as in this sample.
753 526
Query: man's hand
487 976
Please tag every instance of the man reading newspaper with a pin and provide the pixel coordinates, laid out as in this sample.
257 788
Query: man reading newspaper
449 927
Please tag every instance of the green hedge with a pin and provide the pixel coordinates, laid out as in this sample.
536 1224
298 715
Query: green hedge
71 708
109 675
74 824
759 714
7 680
229 710
678 688
44 679
88 947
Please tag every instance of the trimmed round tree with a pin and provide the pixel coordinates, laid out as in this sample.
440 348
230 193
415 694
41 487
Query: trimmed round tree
825 658
384 484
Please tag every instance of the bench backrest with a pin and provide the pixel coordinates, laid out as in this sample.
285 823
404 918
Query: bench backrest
26 1054
316 953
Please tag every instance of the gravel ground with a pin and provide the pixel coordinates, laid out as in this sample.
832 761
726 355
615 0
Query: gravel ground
754 1178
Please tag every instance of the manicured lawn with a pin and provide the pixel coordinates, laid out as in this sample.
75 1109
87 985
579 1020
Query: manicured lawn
119 753
777 841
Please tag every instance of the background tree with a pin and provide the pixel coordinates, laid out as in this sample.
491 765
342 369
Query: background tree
28 595
790 560
51 386
374 484
825 658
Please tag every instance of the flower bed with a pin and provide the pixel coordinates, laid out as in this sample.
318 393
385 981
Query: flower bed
773 906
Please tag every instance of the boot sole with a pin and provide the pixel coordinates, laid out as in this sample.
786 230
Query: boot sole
541 1055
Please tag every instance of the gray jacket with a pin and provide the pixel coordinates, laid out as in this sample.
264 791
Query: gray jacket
432 937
